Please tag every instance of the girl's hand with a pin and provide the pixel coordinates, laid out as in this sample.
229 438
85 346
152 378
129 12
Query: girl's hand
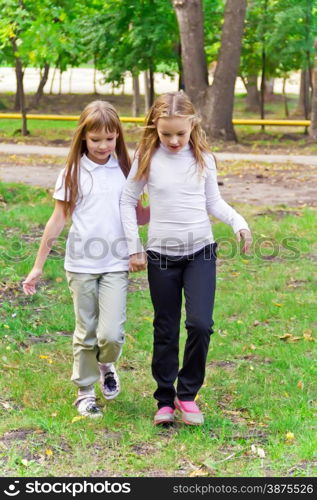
246 237
29 284
137 262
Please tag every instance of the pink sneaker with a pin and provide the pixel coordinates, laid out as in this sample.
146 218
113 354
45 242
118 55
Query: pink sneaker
191 414
165 415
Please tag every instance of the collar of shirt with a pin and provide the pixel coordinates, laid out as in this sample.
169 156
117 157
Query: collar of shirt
91 165
184 151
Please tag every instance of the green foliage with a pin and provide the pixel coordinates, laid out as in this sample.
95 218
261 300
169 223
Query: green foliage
285 29
45 32
140 36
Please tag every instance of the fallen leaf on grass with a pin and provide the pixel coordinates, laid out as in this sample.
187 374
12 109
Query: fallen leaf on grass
277 304
202 471
147 318
290 437
300 385
6 405
77 418
258 451
58 280
308 335
47 358
288 337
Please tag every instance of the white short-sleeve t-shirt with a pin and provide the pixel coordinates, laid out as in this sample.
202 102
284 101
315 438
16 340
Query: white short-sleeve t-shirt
96 242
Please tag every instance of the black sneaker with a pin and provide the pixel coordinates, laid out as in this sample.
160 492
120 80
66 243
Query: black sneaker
109 381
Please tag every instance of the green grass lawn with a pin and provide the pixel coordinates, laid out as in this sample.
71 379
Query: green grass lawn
259 397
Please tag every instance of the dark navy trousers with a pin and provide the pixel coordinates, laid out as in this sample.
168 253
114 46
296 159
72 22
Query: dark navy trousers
168 277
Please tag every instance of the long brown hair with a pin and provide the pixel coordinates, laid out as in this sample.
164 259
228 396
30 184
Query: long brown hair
98 115
167 106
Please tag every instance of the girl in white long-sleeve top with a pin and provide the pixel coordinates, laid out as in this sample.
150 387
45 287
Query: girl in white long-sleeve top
174 161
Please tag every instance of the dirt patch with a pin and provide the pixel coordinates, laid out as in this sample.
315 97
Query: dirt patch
254 183
256 359
11 292
18 435
144 449
227 365
138 284
278 184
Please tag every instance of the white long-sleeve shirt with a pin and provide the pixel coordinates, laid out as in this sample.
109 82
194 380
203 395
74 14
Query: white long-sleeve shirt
181 199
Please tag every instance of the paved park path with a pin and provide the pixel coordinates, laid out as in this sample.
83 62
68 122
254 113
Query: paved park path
26 149
291 186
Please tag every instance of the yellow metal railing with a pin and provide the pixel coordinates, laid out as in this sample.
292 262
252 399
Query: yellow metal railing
65 118
132 119
278 123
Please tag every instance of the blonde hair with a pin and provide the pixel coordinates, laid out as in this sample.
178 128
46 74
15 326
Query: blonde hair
170 105
98 115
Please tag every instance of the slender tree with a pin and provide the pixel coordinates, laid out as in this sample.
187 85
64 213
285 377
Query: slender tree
215 102
313 125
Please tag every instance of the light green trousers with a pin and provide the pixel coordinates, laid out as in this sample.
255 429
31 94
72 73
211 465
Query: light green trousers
99 305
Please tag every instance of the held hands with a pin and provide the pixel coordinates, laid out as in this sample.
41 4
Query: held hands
137 262
29 284
246 237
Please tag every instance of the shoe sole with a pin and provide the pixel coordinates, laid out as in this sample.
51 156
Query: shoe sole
164 420
93 416
113 396
187 422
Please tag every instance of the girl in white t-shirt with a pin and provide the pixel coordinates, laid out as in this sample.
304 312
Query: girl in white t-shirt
96 261
174 161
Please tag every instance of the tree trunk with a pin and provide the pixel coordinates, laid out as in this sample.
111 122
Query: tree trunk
151 86
253 94
60 82
181 83
95 74
269 87
19 75
147 104
40 90
70 80
190 20
304 100
17 97
136 96
214 102
52 81
286 110
313 123
20 88
220 96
